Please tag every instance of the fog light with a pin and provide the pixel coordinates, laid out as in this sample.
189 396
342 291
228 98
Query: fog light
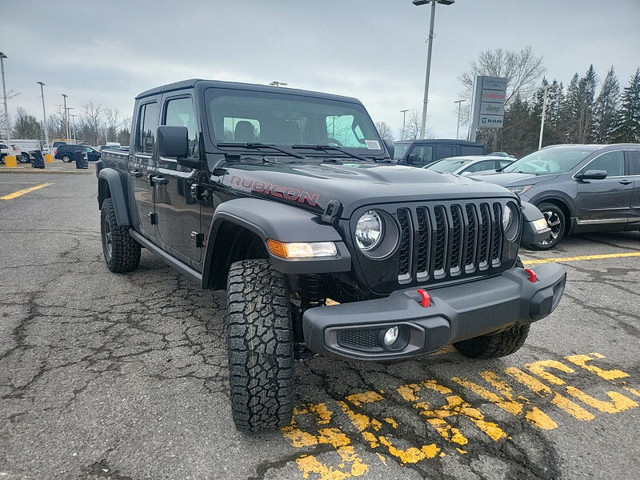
390 336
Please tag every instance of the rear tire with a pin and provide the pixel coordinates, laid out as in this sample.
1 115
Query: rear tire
260 347
121 252
494 345
557 222
66 159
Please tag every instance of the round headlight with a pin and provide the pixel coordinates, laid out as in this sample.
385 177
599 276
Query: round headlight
507 218
369 231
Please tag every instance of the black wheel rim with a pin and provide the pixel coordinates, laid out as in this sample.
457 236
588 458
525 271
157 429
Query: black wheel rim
107 239
555 224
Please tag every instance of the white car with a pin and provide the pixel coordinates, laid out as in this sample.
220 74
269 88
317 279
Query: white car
470 164
9 149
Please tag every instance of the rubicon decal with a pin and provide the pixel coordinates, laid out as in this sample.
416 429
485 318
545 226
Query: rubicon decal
288 193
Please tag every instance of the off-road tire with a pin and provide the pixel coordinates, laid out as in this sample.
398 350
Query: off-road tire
121 252
260 346
497 345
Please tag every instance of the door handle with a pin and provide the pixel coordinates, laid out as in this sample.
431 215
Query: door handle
159 181
625 182
135 173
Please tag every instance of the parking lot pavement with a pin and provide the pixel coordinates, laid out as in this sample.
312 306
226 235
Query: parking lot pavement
125 377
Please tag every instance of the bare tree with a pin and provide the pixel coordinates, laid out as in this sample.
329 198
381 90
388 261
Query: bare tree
384 130
521 69
412 126
91 123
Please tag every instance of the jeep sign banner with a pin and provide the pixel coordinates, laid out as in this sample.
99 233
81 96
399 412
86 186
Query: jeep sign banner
487 107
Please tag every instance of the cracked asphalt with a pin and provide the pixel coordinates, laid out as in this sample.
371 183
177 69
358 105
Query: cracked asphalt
125 376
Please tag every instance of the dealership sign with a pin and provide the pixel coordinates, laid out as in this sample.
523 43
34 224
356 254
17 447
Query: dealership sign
487 107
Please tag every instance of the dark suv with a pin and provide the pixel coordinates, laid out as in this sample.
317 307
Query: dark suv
578 188
419 153
290 201
66 153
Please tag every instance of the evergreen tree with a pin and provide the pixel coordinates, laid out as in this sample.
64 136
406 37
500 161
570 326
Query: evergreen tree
519 134
627 128
605 109
570 111
587 91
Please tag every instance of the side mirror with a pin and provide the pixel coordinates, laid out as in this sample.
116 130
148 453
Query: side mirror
592 175
411 159
173 142
390 147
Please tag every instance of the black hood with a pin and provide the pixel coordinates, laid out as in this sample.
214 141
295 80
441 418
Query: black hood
313 185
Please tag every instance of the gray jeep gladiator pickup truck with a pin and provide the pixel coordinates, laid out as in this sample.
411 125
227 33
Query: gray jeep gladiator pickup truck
291 202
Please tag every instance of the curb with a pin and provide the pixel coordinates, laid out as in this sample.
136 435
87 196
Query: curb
44 171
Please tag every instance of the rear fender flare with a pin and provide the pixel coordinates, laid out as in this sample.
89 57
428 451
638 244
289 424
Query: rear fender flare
111 185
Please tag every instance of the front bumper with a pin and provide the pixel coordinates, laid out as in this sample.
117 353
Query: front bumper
356 330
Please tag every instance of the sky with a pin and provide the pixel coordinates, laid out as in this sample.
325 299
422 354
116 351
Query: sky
108 51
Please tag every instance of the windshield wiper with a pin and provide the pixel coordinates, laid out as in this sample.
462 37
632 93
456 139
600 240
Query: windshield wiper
258 146
325 148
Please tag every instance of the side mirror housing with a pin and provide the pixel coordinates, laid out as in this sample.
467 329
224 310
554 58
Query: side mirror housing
592 175
173 142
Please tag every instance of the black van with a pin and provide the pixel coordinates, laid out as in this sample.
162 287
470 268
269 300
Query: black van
419 153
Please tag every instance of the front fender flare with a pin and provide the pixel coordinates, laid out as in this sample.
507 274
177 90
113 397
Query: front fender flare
278 221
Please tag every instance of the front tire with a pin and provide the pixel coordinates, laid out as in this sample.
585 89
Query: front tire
494 345
24 158
121 252
557 222
260 346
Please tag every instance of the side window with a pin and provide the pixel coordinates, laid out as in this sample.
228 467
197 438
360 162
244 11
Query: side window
179 112
444 151
420 155
481 166
634 162
611 162
147 126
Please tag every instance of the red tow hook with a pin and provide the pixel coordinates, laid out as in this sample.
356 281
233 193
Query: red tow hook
533 278
426 299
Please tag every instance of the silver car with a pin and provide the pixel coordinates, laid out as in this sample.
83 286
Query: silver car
470 164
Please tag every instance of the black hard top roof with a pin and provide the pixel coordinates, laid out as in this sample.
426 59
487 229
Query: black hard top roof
431 141
240 86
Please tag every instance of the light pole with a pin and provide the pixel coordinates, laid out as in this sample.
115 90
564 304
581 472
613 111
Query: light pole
404 117
44 116
73 121
68 126
66 119
4 92
418 3
276 83
459 102
544 111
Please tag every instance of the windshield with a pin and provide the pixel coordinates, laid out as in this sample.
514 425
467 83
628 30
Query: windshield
399 149
448 165
552 160
247 117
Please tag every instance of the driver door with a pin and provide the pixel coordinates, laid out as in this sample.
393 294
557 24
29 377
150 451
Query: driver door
606 201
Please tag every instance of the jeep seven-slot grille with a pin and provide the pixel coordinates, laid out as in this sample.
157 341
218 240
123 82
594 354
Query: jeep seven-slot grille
440 242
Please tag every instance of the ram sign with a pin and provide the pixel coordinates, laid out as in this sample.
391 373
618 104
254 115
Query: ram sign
489 94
